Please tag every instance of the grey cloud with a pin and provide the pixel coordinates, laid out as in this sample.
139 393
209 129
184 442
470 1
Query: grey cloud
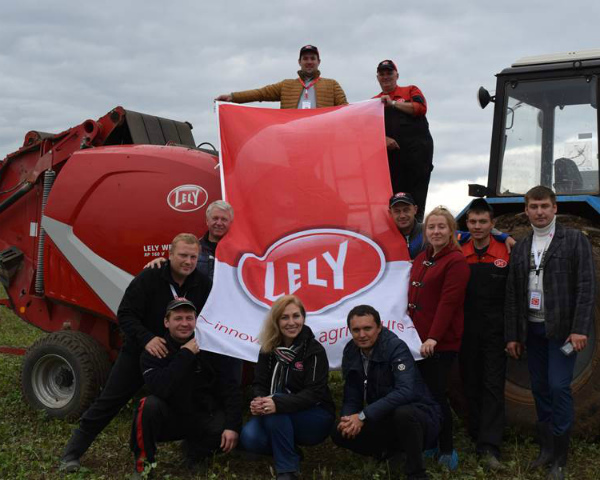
64 62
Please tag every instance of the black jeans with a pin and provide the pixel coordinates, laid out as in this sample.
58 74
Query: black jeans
405 430
410 168
483 371
155 421
435 371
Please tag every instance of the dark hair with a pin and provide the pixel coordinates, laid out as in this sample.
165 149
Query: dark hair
540 193
479 209
361 311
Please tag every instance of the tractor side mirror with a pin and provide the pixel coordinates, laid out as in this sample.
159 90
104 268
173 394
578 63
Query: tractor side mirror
484 97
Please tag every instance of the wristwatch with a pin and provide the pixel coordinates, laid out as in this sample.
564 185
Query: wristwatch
362 417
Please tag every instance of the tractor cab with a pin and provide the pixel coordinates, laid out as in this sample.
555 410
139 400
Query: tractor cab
545 132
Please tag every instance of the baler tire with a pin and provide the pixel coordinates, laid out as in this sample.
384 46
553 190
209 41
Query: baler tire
63 372
520 408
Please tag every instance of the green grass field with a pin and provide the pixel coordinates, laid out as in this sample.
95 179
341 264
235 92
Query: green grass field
30 443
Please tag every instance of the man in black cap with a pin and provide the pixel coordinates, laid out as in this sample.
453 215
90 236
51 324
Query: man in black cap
140 317
482 356
403 210
309 90
409 143
194 395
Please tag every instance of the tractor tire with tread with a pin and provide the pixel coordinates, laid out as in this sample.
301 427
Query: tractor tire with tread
63 372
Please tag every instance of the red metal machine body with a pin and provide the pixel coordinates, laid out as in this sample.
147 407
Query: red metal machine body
82 211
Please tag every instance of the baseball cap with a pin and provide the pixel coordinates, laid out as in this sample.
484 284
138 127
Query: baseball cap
402 197
180 302
309 49
386 65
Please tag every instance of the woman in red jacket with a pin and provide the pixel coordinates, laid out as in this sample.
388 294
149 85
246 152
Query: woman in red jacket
436 295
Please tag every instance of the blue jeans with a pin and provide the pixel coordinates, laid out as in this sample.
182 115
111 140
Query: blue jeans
278 434
551 374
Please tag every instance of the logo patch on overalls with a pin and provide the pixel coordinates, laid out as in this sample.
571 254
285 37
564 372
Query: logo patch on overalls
500 263
401 367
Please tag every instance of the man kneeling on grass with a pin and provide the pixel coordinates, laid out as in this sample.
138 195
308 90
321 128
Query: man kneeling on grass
387 408
195 396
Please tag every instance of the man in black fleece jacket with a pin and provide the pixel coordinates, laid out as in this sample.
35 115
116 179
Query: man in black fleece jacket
195 395
141 318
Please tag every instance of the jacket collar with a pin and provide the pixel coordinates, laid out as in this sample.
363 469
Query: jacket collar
173 345
442 253
303 75
559 234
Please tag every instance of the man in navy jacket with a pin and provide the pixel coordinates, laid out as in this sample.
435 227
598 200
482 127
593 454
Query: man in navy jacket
387 408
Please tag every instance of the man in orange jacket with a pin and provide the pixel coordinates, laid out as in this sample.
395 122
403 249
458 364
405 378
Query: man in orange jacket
308 90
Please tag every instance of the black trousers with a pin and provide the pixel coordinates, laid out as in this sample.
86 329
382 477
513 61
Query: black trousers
155 421
435 371
405 430
410 168
483 371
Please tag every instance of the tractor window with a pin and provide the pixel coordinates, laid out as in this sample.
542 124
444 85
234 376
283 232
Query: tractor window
522 147
550 136
575 150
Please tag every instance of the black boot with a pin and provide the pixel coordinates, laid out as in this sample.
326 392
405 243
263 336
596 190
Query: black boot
546 439
561 451
77 446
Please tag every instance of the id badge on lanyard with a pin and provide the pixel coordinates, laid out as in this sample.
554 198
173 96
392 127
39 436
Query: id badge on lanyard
536 295
535 300
305 101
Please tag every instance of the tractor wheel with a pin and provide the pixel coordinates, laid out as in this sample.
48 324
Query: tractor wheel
520 409
63 372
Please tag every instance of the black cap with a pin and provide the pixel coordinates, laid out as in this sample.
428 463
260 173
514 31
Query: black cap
402 197
387 65
480 204
180 302
309 49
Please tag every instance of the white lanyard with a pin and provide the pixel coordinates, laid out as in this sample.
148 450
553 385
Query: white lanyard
537 257
175 296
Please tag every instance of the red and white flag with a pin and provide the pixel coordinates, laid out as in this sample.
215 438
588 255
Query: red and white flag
310 191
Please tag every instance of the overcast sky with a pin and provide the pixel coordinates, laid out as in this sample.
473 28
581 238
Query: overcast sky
64 62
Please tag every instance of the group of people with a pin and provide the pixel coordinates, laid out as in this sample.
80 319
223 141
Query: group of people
469 298
408 140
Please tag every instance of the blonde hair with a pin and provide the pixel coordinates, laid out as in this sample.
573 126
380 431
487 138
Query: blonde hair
270 334
442 211
188 238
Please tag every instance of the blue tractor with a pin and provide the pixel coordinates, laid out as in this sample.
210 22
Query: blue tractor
545 132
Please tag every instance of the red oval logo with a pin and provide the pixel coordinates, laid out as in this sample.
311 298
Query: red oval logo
500 263
187 198
323 267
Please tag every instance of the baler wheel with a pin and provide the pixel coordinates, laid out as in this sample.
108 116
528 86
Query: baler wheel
63 372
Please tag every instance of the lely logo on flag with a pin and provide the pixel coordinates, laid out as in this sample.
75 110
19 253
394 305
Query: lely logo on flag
322 266
187 198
